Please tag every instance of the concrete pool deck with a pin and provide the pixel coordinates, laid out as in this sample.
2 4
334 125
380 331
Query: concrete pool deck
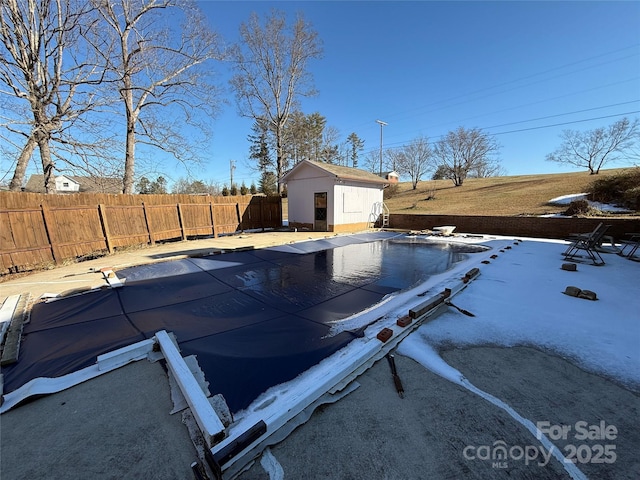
369 434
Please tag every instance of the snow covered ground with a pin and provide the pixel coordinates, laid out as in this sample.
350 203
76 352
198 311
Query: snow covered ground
519 300
603 207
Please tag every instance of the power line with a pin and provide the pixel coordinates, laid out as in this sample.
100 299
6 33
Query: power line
567 123
444 103
517 107
396 145
563 114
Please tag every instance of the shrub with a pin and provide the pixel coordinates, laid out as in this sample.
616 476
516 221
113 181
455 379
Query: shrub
621 189
631 198
578 207
391 191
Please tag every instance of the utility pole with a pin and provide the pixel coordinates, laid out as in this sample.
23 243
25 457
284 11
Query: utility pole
382 124
232 165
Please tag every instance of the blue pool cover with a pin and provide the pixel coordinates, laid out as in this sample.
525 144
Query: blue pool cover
254 318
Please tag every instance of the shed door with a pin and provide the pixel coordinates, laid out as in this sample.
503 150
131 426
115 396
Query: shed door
320 212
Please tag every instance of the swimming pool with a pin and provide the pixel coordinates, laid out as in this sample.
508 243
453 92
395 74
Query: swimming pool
254 318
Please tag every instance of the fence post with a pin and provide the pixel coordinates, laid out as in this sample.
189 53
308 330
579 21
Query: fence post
239 217
262 213
181 221
49 226
213 220
147 222
105 227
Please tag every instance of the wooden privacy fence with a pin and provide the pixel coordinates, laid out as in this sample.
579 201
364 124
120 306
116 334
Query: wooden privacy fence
32 236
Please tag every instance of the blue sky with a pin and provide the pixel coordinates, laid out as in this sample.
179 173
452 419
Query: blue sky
428 67
512 68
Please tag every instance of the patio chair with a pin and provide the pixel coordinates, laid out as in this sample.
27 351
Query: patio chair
634 243
588 242
600 247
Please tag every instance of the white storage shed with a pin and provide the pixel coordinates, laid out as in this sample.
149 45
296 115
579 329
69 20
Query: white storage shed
330 198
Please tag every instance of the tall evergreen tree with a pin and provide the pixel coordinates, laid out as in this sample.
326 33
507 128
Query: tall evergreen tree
356 144
259 146
268 183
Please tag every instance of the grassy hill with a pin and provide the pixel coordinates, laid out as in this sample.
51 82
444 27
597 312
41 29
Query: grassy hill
512 195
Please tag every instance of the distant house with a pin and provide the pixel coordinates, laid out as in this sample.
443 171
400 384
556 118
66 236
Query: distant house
76 184
330 198
391 176
66 184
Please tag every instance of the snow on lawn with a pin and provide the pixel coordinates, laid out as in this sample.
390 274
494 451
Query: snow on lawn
567 199
603 207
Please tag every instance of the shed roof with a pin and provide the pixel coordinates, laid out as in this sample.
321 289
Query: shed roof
344 173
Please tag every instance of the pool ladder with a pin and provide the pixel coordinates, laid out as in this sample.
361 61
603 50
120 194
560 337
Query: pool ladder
379 211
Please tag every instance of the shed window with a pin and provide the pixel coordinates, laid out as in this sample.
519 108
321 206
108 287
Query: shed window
65 184
352 202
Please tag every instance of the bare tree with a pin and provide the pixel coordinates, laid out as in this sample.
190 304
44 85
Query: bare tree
491 167
343 154
463 151
271 72
160 74
46 65
414 159
330 150
594 148
371 161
